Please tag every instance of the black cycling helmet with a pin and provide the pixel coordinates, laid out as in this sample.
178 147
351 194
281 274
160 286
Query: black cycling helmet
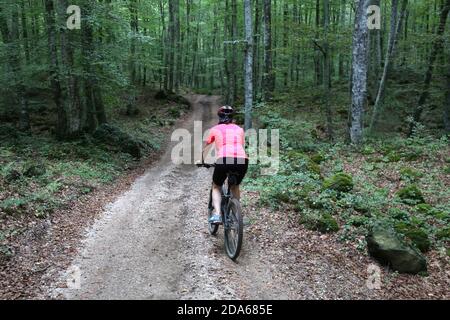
225 114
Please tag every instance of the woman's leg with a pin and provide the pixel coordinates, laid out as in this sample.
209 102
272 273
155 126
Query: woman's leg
216 198
236 192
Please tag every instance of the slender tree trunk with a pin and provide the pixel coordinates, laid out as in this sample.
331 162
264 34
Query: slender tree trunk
285 43
359 73
225 55
248 63
387 61
326 69
177 46
268 78
447 102
234 35
256 37
74 113
54 69
437 48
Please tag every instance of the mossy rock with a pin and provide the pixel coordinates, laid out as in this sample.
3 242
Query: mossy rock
398 214
443 233
384 244
324 222
340 182
313 167
411 195
317 158
417 235
409 173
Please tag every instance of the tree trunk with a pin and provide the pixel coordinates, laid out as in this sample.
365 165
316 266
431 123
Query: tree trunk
225 56
387 60
248 64
234 62
256 37
268 78
359 73
447 102
73 127
54 69
326 69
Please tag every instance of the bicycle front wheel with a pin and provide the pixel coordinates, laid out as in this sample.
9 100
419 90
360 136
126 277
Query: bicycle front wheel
233 229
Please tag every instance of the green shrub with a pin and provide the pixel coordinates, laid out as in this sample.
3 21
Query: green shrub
313 167
443 233
340 182
358 221
398 214
393 156
411 195
175 112
322 222
410 174
424 208
317 158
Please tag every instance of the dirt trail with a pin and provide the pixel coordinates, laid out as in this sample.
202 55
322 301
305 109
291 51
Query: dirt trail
152 243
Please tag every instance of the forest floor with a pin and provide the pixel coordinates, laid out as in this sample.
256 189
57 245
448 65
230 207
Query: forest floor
145 237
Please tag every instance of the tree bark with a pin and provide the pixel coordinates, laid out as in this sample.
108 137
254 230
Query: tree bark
447 102
268 78
359 73
61 124
248 63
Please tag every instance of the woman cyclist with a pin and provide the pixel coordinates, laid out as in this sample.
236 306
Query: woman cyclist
229 140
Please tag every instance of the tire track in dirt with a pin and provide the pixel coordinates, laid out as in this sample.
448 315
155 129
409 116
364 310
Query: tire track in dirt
153 243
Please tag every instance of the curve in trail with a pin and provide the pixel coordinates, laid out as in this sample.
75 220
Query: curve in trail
153 243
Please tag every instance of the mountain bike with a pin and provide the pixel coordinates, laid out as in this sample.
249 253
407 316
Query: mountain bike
231 213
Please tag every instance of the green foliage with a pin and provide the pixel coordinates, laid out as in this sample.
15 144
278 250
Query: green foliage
323 222
398 214
411 195
340 182
443 233
409 174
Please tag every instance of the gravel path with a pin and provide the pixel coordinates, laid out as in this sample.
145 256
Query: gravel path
152 243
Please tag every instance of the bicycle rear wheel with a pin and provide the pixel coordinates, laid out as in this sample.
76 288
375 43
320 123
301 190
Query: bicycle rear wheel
212 227
233 229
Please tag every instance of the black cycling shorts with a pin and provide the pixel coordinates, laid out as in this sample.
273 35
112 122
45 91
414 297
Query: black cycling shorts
224 166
